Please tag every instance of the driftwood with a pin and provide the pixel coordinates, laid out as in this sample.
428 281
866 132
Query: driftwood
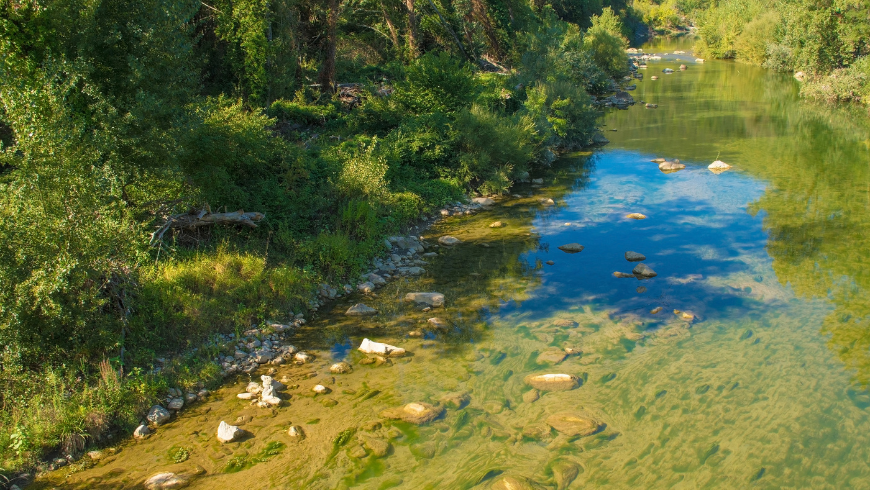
204 217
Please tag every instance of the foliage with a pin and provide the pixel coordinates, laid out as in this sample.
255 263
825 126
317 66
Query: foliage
850 84
436 83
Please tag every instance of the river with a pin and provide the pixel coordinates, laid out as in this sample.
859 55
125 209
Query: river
764 387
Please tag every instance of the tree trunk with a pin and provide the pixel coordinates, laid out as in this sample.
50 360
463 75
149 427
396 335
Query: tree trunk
413 46
327 70
196 219
482 15
394 33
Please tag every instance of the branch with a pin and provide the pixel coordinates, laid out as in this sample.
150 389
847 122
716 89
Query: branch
204 217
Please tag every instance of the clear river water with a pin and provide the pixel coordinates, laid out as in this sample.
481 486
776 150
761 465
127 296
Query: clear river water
765 387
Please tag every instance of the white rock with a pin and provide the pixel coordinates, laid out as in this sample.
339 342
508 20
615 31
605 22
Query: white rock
719 165
253 388
340 368
227 432
302 357
158 415
431 299
483 201
166 481
370 347
141 432
320 389
246 396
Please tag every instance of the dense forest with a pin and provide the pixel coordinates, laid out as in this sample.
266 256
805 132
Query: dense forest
340 122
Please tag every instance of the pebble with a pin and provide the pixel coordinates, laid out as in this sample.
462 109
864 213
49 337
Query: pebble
320 389
655 310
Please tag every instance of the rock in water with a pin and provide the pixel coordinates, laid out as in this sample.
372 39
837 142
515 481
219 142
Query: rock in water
553 382
483 201
496 224
655 310
641 289
684 67
227 432
418 413
718 166
296 432
635 216
166 481
439 323
573 424
376 445
431 299
321 390
643 270
448 240
360 309
512 483
634 256
531 396
623 275
455 400
671 166
370 347
565 472
268 394
552 356
158 415
571 248
340 368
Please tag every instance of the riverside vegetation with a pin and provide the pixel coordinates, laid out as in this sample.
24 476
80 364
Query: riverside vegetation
341 122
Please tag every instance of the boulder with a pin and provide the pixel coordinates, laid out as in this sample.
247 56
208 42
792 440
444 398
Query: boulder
245 396
430 299
553 382
699 60
800 76
418 413
388 350
653 78
448 240
641 289
574 424
634 256
166 481
228 433
366 287
270 388
571 248
643 270
548 202
377 280
635 216
302 357
158 415
537 181
175 404
340 368
668 70
360 309
671 166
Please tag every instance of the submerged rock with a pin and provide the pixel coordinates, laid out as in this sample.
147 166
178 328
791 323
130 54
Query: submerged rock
166 481
378 447
438 323
641 289
531 396
671 166
370 347
415 413
496 224
655 310
158 415
360 309
455 400
564 473
448 240
432 299
228 433
571 248
634 256
643 270
483 201
513 483
341 368
296 432
552 356
553 382
574 424
635 216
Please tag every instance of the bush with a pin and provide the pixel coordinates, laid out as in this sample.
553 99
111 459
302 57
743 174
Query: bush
437 83
562 113
752 43
850 84
301 113
608 51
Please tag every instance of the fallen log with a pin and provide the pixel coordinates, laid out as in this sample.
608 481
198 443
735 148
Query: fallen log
197 218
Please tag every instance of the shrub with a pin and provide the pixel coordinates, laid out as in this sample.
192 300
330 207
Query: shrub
850 84
437 83
562 113
608 51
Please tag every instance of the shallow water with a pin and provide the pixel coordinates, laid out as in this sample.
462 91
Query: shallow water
765 387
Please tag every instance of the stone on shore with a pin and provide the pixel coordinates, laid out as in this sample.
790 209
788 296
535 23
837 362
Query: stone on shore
483 201
228 433
431 299
418 413
141 432
175 404
388 350
448 240
571 248
341 368
158 415
553 382
643 270
634 256
573 424
360 309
